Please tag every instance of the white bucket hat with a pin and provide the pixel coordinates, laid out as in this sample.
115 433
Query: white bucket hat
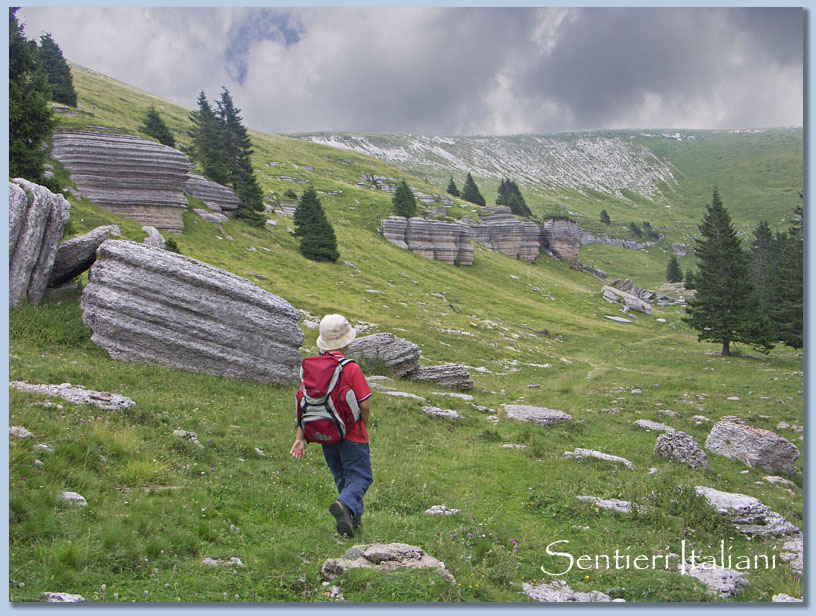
335 332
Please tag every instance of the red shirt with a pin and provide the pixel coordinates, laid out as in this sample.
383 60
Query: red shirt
357 433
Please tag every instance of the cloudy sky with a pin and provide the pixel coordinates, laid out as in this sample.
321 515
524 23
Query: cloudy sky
440 70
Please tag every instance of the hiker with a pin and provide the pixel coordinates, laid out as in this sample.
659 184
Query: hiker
332 383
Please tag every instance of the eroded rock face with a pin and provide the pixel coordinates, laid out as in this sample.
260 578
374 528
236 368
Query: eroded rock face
563 238
627 300
134 177
441 241
732 438
158 307
36 220
559 591
154 239
682 448
748 514
400 355
793 553
504 233
78 254
214 195
455 376
385 557
537 415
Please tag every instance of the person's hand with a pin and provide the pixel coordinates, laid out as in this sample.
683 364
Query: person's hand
298 449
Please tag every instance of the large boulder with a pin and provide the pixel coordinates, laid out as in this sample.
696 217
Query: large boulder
130 176
537 415
399 355
154 306
455 376
748 514
441 241
214 195
78 254
682 448
732 438
36 220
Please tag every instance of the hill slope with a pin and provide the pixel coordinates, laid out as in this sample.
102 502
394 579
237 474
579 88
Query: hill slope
531 333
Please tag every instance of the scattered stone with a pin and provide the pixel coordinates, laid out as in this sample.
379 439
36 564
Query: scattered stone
438 412
77 394
38 463
74 499
405 394
732 438
654 471
793 553
513 446
127 175
775 480
77 255
734 399
661 320
42 447
191 436
681 447
537 415
629 302
617 319
455 376
385 557
158 307
212 217
648 424
783 598
62 597
216 562
668 413
579 453
700 418
154 239
747 514
20 432
400 355
442 510
559 591
36 220
636 391
610 504
465 397
725 583
260 452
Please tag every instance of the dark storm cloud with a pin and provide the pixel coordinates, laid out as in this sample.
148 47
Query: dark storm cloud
252 27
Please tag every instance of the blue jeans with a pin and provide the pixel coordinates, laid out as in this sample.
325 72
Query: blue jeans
350 463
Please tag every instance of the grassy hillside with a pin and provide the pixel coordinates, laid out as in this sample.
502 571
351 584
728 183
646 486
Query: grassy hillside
531 334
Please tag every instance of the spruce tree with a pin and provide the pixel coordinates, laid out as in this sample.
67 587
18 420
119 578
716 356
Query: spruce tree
452 190
317 239
470 192
154 126
688 282
30 117
785 311
404 201
762 261
673 271
605 217
633 227
510 195
724 308
59 74
209 144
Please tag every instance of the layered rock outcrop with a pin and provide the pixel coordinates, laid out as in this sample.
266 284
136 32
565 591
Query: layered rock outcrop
401 356
748 514
78 254
563 238
36 220
504 233
455 376
134 177
627 300
732 438
441 241
154 306
215 196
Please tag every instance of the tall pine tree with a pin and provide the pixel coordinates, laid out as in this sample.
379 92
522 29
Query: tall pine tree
470 192
452 190
154 126
605 217
762 263
30 117
785 311
724 308
209 144
59 74
510 195
673 271
404 201
317 239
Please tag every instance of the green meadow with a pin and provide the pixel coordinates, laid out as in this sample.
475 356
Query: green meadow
530 333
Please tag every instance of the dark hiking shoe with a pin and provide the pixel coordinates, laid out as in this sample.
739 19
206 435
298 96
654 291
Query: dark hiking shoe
342 516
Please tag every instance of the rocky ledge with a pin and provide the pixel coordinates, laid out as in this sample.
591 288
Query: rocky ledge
441 241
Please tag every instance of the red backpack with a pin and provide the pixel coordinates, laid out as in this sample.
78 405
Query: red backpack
326 404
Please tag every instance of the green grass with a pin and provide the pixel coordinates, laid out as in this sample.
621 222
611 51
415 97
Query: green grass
158 504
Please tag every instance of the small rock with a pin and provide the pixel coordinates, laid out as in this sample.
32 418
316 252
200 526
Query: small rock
74 499
260 452
438 412
42 447
793 553
465 397
559 591
537 415
783 598
403 394
653 471
610 504
734 399
20 432
580 452
668 413
748 514
774 479
647 424
442 510
681 447
62 597
513 446
720 581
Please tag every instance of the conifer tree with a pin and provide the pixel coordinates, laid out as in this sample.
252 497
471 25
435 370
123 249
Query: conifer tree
673 271
633 227
209 144
688 282
59 74
470 192
154 126
317 239
452 190
785 312
510 195
762 264
30 117
605 217
404 201
724 308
